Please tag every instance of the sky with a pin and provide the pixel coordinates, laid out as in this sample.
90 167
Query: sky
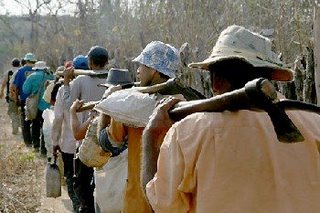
11 7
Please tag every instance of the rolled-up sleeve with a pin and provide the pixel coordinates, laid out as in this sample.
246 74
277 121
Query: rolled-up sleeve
108 145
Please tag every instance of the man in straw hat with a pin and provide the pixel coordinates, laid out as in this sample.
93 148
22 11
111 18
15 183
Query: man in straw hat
233 161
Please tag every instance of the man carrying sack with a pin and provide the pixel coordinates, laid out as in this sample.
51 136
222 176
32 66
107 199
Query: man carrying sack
158 62
233 160
84 87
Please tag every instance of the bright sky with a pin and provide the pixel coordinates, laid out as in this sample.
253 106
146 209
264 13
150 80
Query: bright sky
12 7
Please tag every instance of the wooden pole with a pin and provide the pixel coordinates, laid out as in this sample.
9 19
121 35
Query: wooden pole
317 50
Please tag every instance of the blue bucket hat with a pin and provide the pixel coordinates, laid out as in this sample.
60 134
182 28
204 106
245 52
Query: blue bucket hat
80 62
160 56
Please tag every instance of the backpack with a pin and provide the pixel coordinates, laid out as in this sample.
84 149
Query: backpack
10 73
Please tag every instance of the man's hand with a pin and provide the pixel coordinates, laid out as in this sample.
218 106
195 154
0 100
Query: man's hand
56 149
111 90
68 74
76 105
159 120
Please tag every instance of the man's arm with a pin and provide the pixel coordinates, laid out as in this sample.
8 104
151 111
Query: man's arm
104 120
171 188
57 122
79 129
152 138
4 81
71 91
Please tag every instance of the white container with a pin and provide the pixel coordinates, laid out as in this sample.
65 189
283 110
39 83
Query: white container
53 180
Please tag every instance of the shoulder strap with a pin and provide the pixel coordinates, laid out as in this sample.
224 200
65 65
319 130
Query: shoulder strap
42 83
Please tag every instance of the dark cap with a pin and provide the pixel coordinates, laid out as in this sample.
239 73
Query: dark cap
98 55
15 62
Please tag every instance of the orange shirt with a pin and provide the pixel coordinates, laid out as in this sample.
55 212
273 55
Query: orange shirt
135 200
233 162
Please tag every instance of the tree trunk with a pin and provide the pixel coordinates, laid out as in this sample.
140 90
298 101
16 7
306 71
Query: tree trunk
299 78
309 88
317 51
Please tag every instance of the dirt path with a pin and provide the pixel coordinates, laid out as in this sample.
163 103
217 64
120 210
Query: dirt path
22 185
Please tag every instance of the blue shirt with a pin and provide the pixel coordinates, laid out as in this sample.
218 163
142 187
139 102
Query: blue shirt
20 78
33 83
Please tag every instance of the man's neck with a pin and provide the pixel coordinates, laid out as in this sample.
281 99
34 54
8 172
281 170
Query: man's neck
95 67
158 81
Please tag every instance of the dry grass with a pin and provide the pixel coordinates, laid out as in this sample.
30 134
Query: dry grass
21 174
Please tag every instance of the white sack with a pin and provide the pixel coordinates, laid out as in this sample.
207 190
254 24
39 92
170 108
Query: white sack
129 107
110 184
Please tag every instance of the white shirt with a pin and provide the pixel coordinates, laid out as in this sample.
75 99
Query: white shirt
61 129
83 88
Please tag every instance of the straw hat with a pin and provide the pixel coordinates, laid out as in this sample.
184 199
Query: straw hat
240 43
40 65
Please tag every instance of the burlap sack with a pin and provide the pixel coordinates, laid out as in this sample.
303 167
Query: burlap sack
31 107
90 152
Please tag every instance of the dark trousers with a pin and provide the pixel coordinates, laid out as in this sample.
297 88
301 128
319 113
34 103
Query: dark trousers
37 136
84 186
25 126
68 174
31 130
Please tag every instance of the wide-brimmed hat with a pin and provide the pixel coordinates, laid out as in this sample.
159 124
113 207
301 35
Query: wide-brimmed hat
162 57
40 65
60 69
239 43
30 57
118 77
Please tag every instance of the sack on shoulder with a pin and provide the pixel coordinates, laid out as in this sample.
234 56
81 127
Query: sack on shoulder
31 107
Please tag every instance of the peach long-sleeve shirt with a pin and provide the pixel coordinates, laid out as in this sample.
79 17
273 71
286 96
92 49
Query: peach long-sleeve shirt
233 162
